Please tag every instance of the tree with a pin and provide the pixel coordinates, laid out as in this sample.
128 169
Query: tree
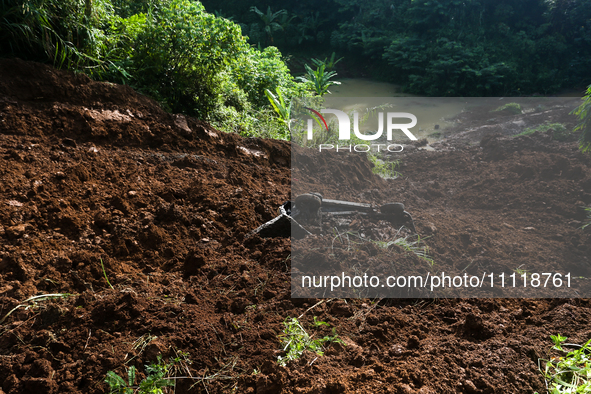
270 21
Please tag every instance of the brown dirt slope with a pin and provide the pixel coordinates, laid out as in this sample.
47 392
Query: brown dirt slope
92 171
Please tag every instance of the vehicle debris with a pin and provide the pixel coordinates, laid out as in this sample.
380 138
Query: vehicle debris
309 209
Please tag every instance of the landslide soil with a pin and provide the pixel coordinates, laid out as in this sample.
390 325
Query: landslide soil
95 172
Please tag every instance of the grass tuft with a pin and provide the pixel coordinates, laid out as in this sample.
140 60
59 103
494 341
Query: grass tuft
105 274
560 132
385 169
156 380
295 340
417 247
588 209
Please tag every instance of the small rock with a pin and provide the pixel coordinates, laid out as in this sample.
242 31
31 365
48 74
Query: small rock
529 228
14 203
508 226
396 350
405 389
16 231
470 387
132 193
431 228
425 390
60 175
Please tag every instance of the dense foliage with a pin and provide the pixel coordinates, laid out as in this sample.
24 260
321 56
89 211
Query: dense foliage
584 126
173 50
439 47
203 64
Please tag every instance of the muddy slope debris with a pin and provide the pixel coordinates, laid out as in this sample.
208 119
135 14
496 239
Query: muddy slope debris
93 171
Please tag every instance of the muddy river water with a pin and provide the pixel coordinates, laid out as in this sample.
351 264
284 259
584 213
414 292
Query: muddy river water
434 114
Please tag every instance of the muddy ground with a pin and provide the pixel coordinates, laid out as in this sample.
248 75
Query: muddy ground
95 172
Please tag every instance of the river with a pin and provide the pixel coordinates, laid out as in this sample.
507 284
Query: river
433 114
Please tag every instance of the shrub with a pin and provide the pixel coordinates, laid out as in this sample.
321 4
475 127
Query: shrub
511 108
255 71
189 60
68 33
181 54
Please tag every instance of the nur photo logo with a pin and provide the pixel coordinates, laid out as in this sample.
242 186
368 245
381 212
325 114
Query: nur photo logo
402 121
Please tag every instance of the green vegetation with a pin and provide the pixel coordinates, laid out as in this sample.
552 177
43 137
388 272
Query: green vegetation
385 169
189 60
105 275
319 79
560 131
295 340
158 377
584 126
329 63
512 108
588 209
271 21
408 243
570 373
279 105
205 65
418 247
439 47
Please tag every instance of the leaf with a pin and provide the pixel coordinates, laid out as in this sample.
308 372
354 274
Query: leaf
130 375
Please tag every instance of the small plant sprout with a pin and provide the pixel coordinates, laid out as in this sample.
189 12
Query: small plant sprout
557 339
296 340
118 385
522 271
320 323
158 377
105 274
588 209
